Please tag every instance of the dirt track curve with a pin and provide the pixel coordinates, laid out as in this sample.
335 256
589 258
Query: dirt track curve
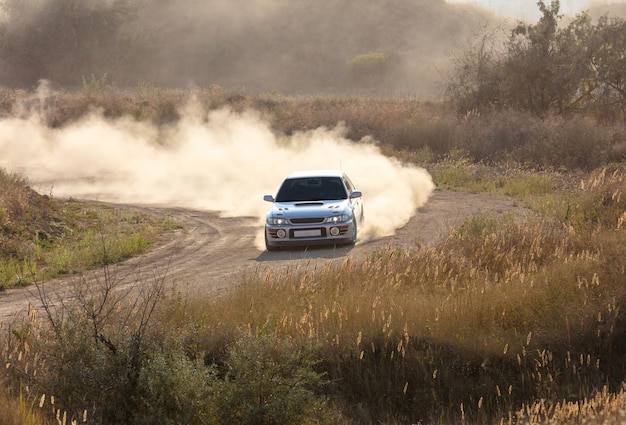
210 252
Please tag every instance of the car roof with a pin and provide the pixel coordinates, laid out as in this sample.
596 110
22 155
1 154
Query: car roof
316 173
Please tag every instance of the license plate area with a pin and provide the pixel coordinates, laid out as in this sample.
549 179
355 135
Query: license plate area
309 233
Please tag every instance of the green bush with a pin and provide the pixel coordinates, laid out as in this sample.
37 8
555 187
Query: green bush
368 64
270 381
172 389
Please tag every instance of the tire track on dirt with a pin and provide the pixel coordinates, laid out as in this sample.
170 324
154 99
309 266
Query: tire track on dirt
210 253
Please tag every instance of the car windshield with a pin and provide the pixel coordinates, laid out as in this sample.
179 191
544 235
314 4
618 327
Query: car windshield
311 189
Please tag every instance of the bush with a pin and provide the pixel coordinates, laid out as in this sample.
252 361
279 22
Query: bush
270 381
368 67
424 132
573 144
172 389
493 137
104 357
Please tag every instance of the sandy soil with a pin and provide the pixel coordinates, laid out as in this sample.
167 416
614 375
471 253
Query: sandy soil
209 254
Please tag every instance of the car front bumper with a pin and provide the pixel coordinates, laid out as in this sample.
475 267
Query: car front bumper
323 234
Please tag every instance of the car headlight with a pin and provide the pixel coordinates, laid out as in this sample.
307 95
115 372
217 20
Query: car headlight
277 221
338 218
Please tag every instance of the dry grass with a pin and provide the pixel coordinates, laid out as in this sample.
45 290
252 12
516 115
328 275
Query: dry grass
20 406
478 322
503 322
41 238
471 331
410 128
604 408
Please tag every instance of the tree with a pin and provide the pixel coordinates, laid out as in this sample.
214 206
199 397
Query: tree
368 68
542 69
607 47
476 80
62 40
573 80
531 65
523 75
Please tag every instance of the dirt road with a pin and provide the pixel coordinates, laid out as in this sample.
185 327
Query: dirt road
210 252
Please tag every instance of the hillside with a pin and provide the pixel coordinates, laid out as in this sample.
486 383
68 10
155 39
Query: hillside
294 46
612 9
303 45
23 214
388 47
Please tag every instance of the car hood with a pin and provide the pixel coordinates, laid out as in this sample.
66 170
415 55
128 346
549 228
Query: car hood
309 209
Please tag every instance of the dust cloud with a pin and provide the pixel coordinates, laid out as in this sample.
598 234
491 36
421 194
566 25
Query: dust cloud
221 160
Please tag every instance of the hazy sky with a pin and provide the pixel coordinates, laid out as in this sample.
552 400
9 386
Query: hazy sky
527 9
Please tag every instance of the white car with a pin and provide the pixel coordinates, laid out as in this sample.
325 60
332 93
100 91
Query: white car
314 208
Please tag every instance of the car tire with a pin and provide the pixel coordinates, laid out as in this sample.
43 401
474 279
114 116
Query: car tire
268 246
354 232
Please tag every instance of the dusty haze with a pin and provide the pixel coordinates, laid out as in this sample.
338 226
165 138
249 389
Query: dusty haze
221 160
291 46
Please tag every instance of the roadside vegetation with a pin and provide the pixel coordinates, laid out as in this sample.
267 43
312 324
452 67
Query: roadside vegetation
502 322
42 238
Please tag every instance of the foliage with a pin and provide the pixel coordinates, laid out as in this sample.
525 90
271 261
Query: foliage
269 381
36 31
476 77
414 130
607 44
41 238
97 346
533 64
546 69
106 358
173 389
293 46
473 330
369 67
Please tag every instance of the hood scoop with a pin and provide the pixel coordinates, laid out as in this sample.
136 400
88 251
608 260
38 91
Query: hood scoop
308 203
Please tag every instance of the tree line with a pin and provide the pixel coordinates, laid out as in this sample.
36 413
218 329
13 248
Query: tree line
546 68
61 39
269 45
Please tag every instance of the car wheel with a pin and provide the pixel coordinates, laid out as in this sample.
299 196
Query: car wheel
268 246
354 232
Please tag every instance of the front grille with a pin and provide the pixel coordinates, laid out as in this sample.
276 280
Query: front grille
306 220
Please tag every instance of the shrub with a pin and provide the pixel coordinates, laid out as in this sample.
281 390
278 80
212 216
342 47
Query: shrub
493 137
368 67
270 381
599 204
573 144
424 132
173 389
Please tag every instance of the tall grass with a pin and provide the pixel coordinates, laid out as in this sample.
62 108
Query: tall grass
42 239
412 129
498 316
503 322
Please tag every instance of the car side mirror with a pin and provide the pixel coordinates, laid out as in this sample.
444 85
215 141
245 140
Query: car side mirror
356 194
268 198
